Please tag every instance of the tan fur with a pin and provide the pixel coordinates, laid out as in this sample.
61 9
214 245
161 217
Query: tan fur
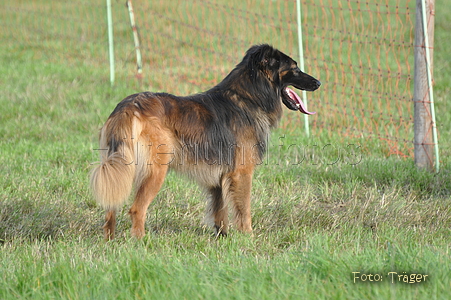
112 180
135 165
132 165
216 138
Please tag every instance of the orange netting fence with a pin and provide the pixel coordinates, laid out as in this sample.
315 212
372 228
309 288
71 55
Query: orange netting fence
365 52
362 51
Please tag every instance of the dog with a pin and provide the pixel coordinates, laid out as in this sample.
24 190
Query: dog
216 138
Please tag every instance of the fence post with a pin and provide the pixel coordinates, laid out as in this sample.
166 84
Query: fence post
110 40
301 62
139 63
424 119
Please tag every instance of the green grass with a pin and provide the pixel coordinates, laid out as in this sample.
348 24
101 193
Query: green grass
322 209
189 266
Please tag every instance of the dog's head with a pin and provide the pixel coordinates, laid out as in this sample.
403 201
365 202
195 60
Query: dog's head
282 71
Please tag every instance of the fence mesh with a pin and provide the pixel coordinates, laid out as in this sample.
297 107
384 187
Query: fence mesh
362 51
47 26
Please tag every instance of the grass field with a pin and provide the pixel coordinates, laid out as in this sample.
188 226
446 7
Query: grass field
327 212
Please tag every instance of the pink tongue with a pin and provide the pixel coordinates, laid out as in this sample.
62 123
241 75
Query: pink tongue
299 103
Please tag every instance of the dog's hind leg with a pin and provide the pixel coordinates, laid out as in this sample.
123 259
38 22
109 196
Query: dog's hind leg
147 189
110 224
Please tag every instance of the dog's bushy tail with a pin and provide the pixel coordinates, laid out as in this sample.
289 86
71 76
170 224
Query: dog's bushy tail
112 180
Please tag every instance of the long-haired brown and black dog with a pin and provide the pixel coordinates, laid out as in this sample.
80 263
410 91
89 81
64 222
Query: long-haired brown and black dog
216 137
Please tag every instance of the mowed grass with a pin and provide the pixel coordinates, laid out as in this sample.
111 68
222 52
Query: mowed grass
323 207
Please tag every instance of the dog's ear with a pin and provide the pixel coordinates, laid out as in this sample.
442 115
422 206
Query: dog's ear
262 56
270 62
270 57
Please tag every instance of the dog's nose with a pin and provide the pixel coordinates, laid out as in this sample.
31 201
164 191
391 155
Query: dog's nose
318 83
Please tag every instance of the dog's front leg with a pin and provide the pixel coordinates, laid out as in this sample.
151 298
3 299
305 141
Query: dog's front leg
239 193
219 211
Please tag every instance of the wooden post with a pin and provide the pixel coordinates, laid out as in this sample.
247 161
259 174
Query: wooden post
423 142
